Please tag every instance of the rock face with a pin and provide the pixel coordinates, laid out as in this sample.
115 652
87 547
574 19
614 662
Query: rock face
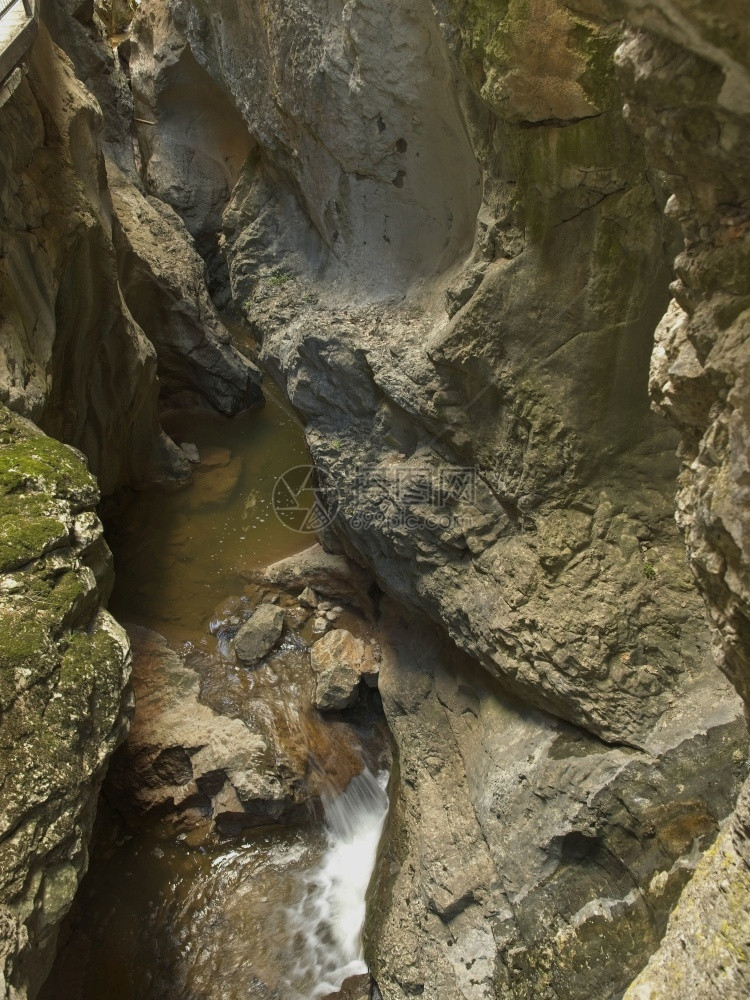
67 336
259 634
476 403
340 662
80 281
523 857
64 667
686 76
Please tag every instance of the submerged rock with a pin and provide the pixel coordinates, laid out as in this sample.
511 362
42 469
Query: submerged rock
259 634
188 761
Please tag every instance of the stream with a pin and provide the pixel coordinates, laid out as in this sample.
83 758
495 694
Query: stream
276 913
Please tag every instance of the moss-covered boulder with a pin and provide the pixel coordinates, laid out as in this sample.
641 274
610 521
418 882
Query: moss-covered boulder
64 668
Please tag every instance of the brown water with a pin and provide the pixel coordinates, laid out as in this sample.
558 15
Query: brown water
178 553
270 916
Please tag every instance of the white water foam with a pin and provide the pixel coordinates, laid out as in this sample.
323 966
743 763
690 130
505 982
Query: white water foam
325 926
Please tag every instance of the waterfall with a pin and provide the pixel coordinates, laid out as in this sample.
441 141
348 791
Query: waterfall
325 925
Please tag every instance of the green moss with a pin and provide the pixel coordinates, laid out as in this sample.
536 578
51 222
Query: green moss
25 538
279 278
40 463
24 644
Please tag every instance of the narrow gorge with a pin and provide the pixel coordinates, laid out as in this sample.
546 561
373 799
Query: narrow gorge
375 499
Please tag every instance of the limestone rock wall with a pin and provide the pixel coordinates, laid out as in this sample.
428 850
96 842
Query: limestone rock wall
104 318
64 667
509 348
67 337
104 310
686 77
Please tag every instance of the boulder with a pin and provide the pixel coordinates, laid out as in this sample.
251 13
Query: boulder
189 762
259 634
191 452
340 661
353 988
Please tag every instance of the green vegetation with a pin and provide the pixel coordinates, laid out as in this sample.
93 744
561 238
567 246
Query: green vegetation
280 278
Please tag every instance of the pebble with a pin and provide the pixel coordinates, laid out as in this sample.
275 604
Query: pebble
320 625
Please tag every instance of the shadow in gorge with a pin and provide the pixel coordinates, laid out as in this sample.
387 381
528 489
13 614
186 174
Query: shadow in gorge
172 906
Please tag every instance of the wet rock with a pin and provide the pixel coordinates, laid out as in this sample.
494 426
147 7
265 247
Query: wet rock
191 452
308 599
324 572
320 625
212 456
64 696
340 662
214 485
186 760
353 988
335 755
259 634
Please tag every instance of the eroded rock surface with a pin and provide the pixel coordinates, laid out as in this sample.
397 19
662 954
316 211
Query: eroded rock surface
340 661
686 76
64 667
488 442
183 759
88 264
524 857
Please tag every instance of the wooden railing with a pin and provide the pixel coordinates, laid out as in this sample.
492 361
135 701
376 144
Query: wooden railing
19 23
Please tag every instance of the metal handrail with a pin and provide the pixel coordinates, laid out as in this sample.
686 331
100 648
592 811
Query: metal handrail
16 47
12 3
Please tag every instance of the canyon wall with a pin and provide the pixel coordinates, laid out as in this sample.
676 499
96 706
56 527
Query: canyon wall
450 238
454 228
686 77
105 318
104 308
64 667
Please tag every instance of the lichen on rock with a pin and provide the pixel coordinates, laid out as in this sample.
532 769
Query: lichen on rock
64 667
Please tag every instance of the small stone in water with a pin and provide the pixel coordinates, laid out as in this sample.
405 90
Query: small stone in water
324 606
320 625
308 598
259 634
332 615
191 452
